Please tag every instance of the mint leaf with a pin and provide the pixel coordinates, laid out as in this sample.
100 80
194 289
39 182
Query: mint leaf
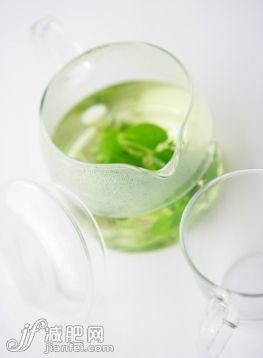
109 149
144 145
146 134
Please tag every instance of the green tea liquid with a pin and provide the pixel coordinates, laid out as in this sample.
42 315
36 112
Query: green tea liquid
134 123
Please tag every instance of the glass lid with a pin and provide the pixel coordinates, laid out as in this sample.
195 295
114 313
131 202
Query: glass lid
51 251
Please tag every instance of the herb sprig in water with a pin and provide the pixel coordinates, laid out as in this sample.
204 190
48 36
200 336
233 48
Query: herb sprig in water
144 145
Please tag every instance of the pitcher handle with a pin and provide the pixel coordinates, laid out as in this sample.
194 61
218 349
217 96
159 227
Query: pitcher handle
53 43
218 325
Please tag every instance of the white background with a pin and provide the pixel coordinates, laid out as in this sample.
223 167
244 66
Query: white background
153 306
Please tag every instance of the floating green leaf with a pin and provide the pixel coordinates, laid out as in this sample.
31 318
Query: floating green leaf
145 145
146 134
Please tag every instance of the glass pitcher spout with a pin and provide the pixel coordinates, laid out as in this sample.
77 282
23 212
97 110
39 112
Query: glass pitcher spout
53 43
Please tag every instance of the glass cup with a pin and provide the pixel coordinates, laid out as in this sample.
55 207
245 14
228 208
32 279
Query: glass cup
136 208
222 240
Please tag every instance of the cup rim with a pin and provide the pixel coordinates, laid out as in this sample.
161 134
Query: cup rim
175 158
182 237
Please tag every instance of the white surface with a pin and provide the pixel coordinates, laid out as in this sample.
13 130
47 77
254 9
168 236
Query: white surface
153 305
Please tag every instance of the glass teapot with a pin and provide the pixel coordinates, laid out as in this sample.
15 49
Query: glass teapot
137 207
